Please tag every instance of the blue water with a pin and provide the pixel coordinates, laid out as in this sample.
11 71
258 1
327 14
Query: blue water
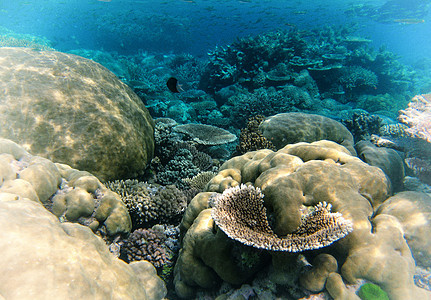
145 42
195 26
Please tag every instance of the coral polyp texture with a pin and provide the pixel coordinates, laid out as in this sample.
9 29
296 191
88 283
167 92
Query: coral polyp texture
150 204
300 183
72 110
418 117
240 213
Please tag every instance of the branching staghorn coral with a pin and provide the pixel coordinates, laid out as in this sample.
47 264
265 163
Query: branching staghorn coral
239 212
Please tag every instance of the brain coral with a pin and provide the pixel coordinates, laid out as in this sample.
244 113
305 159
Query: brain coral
293 179
72 110
45 259
72 195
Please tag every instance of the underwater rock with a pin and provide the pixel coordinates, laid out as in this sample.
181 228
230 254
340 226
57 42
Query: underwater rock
72 110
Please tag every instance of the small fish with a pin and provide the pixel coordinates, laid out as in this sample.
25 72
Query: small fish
409 21
173 85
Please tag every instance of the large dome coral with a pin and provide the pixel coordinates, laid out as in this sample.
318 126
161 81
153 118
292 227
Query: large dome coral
72 110
293 180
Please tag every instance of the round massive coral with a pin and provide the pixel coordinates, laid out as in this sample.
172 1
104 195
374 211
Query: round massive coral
293 180
72 195
72 110
289 128
45 259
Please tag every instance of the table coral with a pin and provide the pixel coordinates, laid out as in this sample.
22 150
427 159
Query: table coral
241 214
295 178
206 134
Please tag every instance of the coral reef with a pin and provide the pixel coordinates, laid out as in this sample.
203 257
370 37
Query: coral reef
314 279
240 214
70 194
72 110
150 204
417 152
145 244
357 77
206 134
251 138
362 125
292 179
417 116
175 158
200 180
386 159
238 105
9 38
383 104
289 128
335 58
46 259
413 211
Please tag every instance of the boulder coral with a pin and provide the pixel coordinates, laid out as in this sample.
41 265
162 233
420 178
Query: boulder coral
293 179
43 258
70 194
289 128
72 110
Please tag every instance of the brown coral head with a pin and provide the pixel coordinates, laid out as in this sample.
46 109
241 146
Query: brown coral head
240 213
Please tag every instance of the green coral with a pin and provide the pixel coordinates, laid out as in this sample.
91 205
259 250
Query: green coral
371 291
